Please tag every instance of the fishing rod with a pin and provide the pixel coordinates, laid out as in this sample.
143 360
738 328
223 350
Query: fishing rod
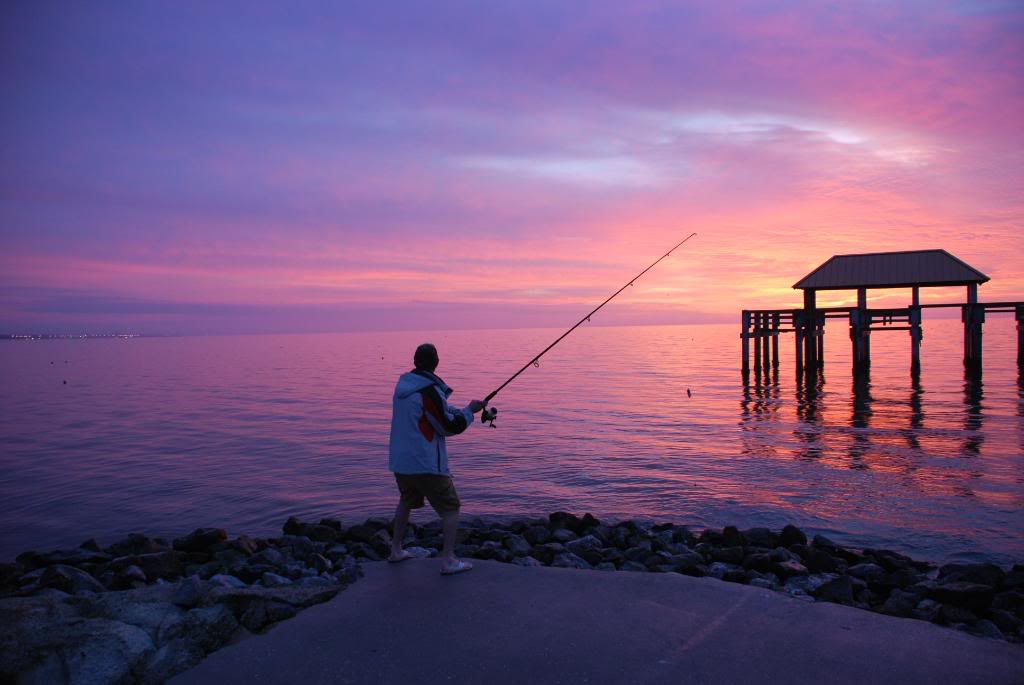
489 415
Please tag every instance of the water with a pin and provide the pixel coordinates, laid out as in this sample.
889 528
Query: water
166 434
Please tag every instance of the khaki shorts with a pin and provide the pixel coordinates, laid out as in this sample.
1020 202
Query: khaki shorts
438 490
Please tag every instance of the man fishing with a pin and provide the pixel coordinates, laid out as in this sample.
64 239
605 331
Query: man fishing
421 419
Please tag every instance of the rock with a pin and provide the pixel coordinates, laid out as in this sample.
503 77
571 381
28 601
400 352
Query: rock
760 537
1005 621
759 562
1011 600
732 537
820 561
168 565
244 545
224 580
689 564
191 592
526 561
891 561
274 580
421 552
580 545
563 535
900 603
537 535
965 594
632 566
640 552
321 533
869 573
953 614
823 543
838 590
300 546
332 523
605 566
268 557
762 583
569 560
69 579
564 520
785 569
128 577
791 535
1013 579
728 572
927 610
347 570
987 629
315 581
980 574
136 543
729 555
381 542
319 563
517 545
360 533
293 526
200 540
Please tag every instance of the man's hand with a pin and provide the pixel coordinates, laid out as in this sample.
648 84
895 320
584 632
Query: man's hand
475 406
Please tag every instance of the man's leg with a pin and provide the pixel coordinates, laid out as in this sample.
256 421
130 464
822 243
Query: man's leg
450 527
401 520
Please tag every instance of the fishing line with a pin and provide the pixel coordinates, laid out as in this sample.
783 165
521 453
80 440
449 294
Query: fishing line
489 415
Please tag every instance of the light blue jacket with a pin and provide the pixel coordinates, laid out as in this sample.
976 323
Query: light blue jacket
421 419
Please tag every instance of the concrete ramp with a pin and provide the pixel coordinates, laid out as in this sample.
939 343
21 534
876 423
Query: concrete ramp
500 624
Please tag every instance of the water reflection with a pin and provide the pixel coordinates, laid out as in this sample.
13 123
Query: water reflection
973 396
860 420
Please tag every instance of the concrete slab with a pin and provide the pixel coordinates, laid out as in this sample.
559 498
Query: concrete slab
506 624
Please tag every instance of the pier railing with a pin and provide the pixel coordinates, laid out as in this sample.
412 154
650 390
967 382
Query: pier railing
761 329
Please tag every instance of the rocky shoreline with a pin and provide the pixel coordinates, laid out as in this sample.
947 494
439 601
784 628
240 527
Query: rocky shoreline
144 609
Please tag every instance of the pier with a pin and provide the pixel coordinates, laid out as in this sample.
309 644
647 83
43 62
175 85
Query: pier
862 272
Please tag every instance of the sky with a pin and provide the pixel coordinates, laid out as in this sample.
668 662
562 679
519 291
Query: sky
250 167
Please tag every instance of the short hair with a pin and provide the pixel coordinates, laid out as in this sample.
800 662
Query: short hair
425 357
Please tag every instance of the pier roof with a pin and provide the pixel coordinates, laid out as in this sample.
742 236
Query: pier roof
891 270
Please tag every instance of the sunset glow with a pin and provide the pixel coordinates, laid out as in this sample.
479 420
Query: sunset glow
216 168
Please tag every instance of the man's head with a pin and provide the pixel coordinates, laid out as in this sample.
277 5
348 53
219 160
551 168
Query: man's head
425 357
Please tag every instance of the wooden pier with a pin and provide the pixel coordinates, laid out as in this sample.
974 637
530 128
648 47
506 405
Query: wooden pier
915 270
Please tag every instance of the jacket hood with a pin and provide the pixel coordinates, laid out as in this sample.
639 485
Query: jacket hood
414 381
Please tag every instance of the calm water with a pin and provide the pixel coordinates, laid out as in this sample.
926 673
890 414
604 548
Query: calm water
165 434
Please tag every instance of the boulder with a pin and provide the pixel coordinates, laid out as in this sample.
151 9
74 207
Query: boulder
200 540
517 545
786 569
360 533
168 565
569 560
954 614
632 566
268 557
319 563
564 520
900 603
732 537
974 596
563 535
869 573
546 553
689 564
820 561
984 628
526 561
838 590
136 543
70 580
537 535
980 574
191 592
927 610
760 537
127 578
605 566
580 545
791 535
274 580
728 555
225 580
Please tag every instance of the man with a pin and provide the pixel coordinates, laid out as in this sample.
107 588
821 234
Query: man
421 419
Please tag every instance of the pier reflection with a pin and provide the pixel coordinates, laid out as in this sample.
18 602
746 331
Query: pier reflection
895 439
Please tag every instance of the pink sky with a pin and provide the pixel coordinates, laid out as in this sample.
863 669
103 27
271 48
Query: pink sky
198 168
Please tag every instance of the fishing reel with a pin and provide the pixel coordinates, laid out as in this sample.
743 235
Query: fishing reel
488 416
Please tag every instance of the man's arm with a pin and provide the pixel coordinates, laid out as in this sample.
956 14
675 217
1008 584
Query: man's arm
442 417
